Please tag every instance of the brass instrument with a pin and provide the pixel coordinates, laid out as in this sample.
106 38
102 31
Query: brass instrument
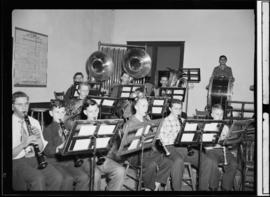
39 155
77 161
99 66
137 63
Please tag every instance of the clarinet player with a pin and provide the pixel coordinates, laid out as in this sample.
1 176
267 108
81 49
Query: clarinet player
25 172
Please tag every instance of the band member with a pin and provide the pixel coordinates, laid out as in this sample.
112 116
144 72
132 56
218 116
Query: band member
25 175
77 78
222 70
164 81
126 79
168 133
156 166
114 172
74 106
217 153
56 138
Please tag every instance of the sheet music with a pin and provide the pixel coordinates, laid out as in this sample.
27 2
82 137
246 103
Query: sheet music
106 129
134 88
126 89
87 129
146 131
148 140
211 127
248 114
158 102
133 144
187 137
125 94
190 127
208 137
102 142
76 94
139 132
156 110
178 97
249 106
97 100
81 144
107 102
193 77
178 91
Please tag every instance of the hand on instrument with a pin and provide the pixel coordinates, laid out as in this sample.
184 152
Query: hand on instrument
36 131
61 146
26 140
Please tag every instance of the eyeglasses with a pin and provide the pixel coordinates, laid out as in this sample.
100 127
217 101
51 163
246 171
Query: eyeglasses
21 104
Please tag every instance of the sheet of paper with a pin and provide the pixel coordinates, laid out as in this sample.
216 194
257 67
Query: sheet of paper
124 95
126 89
156 110
133 144
187 137
248 114
149 140
81 144
211 127
76 94
249 107
134 88
193 72
208 137
168 92
178 92
106 129
190 127
158 102
86 130
97 100
146 131
178 97
102 142
107 102
236 105
194 78
139 132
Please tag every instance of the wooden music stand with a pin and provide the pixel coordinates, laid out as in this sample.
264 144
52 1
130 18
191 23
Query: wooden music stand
174 93
244 108
90 138
157 106
125 91
139 138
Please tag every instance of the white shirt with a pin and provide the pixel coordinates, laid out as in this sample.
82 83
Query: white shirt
16 133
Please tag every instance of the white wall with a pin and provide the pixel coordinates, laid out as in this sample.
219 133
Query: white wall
207 35
72 36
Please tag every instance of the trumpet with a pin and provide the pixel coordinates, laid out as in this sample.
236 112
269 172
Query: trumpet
77 161
39 155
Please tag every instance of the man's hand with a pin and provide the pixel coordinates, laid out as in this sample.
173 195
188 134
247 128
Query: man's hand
61 146
26 140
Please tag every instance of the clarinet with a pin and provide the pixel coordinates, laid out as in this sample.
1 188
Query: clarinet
77 161
164 148
39 155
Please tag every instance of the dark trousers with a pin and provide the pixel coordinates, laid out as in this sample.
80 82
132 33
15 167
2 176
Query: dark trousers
75 178
26 176
229 170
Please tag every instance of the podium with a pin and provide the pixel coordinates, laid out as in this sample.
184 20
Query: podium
91 138
138 138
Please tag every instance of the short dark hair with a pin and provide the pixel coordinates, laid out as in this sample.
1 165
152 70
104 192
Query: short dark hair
76 74
19 94
87 102
217 106
175 101
57 103
222 56
139 89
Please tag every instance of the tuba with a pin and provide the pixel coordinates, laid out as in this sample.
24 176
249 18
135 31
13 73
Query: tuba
99 66
137 63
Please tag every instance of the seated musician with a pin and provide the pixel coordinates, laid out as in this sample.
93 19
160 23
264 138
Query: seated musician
156 166
168 133
25 175
216 153
56 138
164 81
114 172
74 106
77 78
222 70
121 107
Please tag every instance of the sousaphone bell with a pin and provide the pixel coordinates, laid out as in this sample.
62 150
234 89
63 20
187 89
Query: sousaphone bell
99 66
137 63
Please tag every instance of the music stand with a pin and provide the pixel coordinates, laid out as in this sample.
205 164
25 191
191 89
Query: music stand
199 132
125 91
90 138
243 108
174 93
106 104
140 137
95 88
157 106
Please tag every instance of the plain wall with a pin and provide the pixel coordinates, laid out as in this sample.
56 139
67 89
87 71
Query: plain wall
207 35
74 35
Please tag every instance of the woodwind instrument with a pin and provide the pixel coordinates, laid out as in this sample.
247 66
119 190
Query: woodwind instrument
164 148
39 155
225 157
77 161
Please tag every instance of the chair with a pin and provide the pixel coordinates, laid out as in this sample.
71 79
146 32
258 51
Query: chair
40 115
59 95
132 178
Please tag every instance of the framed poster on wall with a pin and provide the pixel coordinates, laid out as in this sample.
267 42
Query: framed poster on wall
30 52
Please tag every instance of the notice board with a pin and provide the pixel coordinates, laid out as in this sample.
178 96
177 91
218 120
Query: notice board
30 58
